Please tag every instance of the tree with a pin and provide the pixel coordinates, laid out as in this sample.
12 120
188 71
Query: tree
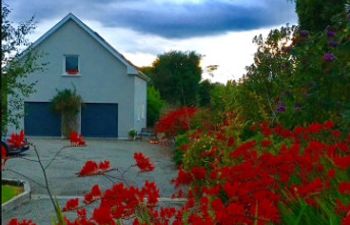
15 65
177 75
205 92
316 15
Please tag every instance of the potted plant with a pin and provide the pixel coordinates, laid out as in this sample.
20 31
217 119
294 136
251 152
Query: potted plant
132 134
68 103
72 71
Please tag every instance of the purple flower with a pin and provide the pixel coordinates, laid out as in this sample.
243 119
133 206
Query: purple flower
281 107
331 33
304 33
329 57
332 44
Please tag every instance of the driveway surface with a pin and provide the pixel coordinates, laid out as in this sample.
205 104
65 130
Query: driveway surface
62 171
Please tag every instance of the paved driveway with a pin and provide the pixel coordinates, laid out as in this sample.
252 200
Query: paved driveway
65 183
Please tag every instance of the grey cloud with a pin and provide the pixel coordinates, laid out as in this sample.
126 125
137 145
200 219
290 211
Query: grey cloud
170 20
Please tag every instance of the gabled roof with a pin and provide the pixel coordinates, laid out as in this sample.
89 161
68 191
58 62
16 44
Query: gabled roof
131 69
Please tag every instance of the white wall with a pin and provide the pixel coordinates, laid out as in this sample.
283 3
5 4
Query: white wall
103 78
140 103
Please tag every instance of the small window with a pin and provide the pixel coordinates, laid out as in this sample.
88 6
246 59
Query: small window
72 64
143 111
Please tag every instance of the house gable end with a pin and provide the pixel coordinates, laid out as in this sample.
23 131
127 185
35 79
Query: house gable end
131 69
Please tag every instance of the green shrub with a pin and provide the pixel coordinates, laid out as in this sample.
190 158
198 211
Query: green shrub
180 148
154 106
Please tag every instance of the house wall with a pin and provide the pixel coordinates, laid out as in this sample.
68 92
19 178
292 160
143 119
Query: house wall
140 103
102 79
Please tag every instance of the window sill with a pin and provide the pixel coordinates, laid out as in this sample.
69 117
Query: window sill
71 75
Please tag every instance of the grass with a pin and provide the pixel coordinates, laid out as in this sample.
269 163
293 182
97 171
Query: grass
9 191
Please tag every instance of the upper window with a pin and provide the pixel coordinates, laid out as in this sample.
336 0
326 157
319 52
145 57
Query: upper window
72 64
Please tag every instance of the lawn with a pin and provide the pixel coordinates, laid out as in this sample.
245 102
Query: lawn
9 191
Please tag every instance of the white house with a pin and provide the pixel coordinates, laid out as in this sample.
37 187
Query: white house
113 90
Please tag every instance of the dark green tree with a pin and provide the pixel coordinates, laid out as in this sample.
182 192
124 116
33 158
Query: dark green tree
15 66
177 75
148 70
316 15
204 92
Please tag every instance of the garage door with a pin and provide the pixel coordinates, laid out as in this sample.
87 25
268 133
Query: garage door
40 120
99 120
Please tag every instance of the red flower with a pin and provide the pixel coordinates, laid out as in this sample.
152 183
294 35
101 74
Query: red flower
81 213
71 204
346 220
15 221
103 215
331 173
344 188
328 124
16 140
183 178
176 121
341 208
76 139
151 192
342 162
72 71
199 173
105 165
3 157
313 187
94 195
230 142
315 128
266 143
143 162
91 168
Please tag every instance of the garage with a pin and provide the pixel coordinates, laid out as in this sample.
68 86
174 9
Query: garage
40 120
99 120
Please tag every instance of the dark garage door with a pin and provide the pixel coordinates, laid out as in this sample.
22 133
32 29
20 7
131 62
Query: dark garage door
40 120
99 120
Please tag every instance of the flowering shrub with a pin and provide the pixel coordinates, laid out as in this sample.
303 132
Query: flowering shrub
121 202
175 122
279 176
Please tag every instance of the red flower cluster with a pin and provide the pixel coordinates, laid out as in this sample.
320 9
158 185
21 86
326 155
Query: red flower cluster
93 195
176 121
236 182
17 140
76 139
71 204
143 162
247 182
15 221
72 71
91 168
121 202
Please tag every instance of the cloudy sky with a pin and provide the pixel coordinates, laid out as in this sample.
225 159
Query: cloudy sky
220 30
